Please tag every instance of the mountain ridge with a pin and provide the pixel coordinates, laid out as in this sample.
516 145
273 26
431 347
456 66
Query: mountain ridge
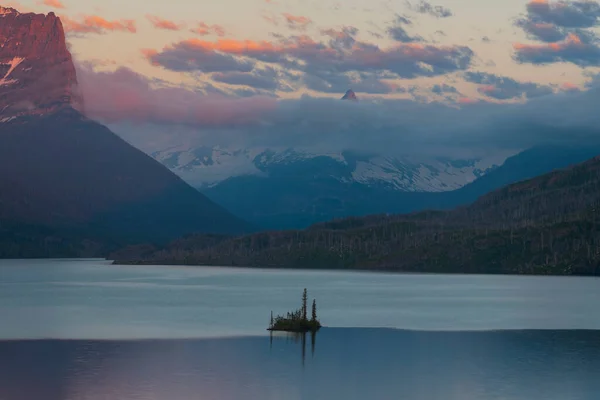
36 68
546 225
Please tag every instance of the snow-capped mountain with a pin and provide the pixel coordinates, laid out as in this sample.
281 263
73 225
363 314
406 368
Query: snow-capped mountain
207 167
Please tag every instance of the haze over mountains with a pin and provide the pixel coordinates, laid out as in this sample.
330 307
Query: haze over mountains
64 175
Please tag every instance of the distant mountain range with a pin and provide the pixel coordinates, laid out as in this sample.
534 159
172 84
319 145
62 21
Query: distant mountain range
288 188
302 192
68 185
546 225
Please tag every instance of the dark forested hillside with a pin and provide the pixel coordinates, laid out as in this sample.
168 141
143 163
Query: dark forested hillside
546 225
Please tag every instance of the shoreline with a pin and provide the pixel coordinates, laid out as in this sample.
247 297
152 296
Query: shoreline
353 270
335 330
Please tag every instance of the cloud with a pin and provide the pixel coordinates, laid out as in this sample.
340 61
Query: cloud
165 24
152 112
444 88
505 88
297 22
397 32
563 27
97 25
424 7
341 39
339 83
579 50
343 54
194 55
53 3
203 29
570 87
267 78
125 96
544 31
566 14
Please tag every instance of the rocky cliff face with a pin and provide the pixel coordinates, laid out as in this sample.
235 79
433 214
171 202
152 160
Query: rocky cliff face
37 75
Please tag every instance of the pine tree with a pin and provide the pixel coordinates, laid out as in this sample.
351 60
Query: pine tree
304 308
271 319
314 311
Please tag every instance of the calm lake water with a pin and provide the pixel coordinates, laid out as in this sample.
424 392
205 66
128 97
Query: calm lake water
113 332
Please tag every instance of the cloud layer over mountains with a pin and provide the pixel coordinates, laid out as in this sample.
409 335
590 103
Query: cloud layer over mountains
241 97
381 125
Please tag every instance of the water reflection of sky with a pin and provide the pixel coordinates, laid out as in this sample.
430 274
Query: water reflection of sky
347 364
93 300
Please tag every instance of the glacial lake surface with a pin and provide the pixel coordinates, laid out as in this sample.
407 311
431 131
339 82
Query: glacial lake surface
85 329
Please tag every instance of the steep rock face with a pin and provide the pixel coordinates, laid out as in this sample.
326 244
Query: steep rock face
37 75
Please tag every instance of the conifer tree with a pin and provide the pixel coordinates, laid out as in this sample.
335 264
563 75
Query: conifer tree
304 308
314 311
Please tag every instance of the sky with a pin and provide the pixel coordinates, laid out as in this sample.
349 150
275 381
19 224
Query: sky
271 71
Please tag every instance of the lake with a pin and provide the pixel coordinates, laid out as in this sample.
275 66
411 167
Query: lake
84 329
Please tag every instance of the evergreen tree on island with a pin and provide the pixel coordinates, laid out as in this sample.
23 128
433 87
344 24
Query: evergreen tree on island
304 300
297 321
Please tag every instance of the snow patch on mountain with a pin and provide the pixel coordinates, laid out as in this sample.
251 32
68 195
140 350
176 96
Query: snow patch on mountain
14 63
411 174
206 167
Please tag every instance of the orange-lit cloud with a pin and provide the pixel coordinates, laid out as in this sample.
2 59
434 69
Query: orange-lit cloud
98 25
161 23
204 29
234 46
571 41
301 52
573 49
570 87
296 21
53 4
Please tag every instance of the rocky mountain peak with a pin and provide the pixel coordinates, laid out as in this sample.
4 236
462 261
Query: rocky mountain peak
350 95
37 75
7 10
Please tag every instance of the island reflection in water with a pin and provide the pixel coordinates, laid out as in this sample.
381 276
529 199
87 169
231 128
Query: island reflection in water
296 337
347 364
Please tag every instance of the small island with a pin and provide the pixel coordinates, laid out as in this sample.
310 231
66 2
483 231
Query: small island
297 321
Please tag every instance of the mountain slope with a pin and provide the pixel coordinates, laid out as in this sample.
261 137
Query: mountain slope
61 172
63 169
303 193
546 225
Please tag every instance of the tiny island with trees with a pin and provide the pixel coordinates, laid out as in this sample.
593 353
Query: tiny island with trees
297 321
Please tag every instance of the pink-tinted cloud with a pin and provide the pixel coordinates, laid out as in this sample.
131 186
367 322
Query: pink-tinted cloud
124 95
204 29
296 21
196 55
161 23
466 100
570 87
98 25
54 4
575 49
407 60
